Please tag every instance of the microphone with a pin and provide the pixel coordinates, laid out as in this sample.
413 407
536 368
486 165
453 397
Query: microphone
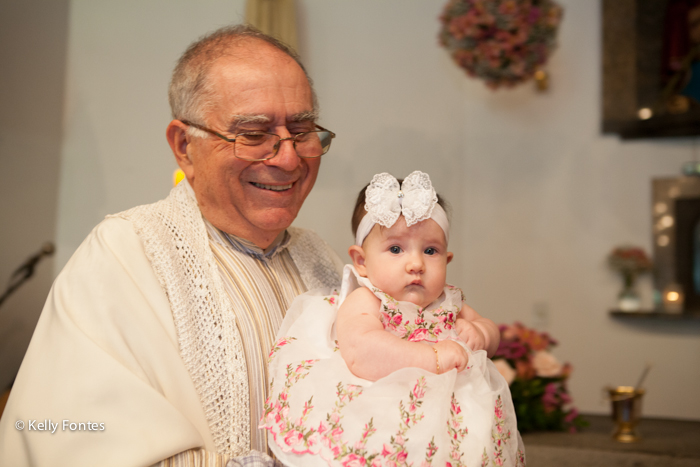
26 270
47 249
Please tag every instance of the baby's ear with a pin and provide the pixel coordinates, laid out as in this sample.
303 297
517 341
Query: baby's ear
357 254
450 255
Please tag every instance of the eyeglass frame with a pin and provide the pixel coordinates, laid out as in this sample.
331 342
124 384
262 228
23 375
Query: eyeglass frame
278 145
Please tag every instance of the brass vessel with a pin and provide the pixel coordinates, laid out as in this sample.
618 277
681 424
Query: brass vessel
626 412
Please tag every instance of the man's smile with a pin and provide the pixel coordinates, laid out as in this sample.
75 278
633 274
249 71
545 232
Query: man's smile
273 187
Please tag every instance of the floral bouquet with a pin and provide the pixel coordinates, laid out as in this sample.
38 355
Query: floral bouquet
503 42
630 261
537 380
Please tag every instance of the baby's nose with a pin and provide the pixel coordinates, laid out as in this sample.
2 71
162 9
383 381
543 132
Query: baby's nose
415 264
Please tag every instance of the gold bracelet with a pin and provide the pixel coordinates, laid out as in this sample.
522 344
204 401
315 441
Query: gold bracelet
437 360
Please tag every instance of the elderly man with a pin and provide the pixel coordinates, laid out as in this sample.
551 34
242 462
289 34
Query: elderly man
153 342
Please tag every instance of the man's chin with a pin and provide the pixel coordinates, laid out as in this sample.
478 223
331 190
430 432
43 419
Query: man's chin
276 219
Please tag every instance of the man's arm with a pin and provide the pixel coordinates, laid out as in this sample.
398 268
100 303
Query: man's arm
104 352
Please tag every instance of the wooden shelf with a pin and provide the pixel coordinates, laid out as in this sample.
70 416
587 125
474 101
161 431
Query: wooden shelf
656 315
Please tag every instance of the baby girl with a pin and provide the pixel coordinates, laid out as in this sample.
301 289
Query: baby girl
394 370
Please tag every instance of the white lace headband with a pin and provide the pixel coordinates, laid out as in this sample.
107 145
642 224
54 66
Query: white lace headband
385 201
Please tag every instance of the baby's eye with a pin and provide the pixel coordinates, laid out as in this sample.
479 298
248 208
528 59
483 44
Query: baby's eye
430 251
395 249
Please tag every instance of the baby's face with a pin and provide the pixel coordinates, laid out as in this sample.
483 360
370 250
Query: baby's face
408 263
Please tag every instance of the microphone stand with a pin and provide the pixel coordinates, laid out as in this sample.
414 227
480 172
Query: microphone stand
26 270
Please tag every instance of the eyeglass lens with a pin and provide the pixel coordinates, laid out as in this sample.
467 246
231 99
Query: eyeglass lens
262 146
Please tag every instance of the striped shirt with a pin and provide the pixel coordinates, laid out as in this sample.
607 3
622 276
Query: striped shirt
261 286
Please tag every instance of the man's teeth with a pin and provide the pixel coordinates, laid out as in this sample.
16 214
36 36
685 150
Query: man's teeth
273 187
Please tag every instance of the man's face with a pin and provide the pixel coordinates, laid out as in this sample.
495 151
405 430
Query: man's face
263 91
408 263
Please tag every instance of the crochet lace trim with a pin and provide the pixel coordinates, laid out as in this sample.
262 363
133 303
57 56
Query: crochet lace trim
175 240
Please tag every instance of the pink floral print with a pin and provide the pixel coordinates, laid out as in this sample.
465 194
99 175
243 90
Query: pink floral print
425 327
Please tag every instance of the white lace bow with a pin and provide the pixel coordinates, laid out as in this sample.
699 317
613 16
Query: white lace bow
385 200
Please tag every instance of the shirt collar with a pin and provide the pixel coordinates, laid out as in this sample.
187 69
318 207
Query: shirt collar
278 245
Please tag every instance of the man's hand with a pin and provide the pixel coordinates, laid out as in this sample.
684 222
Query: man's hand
470 334
451 355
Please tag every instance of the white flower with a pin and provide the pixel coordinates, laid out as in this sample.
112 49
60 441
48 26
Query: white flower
505 370
545 364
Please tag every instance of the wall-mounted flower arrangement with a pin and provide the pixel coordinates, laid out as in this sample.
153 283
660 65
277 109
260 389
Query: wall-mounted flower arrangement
503 42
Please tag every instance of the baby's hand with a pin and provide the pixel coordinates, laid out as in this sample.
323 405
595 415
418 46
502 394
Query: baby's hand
470 334
451 355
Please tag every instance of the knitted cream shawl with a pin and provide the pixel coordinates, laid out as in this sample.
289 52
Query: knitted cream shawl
176 243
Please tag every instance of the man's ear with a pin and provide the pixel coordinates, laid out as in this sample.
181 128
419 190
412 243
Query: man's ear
357 254
450 255
179 140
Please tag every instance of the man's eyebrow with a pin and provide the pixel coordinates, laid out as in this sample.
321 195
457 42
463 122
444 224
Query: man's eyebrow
306 116
247 118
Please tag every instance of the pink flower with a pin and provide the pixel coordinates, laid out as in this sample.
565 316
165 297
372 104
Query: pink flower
353 460
401 457
336 434
293 438
322 427
546 365
507 371
399 440
419 390
387 450
507 332
312 440
573 413
419 335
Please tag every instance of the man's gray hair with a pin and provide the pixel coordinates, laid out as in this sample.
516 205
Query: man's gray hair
191 92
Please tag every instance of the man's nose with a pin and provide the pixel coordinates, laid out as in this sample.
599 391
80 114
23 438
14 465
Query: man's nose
286 158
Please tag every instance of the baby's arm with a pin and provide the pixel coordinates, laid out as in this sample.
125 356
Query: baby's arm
372 353
477 332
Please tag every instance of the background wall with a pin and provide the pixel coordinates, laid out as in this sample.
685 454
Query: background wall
33 37
539 196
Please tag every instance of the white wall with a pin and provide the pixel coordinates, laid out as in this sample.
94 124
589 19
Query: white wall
33 56
539 195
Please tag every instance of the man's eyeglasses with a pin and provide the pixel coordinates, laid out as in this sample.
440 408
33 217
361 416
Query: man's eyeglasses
257 146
